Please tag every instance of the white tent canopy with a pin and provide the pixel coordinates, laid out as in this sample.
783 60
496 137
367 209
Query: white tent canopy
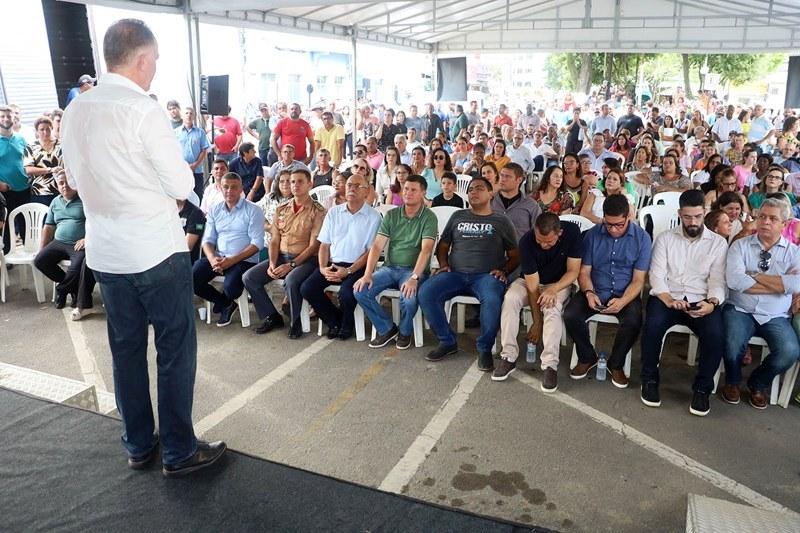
458 26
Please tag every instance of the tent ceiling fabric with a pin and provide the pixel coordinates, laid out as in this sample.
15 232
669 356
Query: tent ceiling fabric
457 26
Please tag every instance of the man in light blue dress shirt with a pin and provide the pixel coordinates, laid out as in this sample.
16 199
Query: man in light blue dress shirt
195 146
763 274
232 240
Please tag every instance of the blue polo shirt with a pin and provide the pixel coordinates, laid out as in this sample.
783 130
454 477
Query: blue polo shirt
230 231
249 172
68 218
12 152
193 141
349 234
614 260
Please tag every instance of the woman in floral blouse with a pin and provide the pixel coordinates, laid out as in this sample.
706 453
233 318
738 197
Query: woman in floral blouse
41 158
552 195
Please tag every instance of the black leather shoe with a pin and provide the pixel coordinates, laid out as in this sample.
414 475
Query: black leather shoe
73 300
206 455
333 332
296 331
61 300
344 335
143 461
271 322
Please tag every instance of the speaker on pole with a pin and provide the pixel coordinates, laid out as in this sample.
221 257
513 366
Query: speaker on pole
451 79
793 83
214 95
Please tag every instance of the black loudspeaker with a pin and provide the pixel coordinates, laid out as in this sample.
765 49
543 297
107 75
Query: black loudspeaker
214 95
451 79
793 83
70 44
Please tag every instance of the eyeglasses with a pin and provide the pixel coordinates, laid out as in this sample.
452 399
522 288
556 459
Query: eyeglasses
439 158
729 183
355 186
775 176
615 225
765 259
359 167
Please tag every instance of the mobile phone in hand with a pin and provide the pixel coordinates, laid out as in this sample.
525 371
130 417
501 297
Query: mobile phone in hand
601 307
694 306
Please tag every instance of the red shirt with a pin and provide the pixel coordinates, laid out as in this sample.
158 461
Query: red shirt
226 142
502 120
294 132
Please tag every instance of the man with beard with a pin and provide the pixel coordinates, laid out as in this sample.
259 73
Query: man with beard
295 131
687 276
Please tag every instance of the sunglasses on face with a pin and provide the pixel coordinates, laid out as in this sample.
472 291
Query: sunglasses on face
438 158
359 167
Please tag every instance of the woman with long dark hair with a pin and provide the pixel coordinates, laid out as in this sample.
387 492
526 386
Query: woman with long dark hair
440 163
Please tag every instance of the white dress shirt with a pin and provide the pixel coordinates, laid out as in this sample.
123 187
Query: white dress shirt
691 268
122 156
521 156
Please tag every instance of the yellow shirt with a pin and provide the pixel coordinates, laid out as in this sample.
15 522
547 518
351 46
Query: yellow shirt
329 139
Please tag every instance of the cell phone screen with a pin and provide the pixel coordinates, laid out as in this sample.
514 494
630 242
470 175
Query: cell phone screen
695 305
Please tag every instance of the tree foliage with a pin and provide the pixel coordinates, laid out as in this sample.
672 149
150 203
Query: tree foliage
563 71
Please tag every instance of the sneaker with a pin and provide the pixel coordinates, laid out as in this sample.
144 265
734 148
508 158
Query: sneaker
758 398
403 342
226 316
78 314
503 369
485 361
650 396
731 394
440 351
550 380
618 378
581 370
382 340
699 405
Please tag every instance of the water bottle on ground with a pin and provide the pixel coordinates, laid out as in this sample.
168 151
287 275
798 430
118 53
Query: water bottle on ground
602 367
530 355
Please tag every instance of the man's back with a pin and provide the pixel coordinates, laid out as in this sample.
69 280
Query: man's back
128 175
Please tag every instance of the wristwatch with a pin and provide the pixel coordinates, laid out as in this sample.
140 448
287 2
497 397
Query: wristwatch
415 277
349 271
292 264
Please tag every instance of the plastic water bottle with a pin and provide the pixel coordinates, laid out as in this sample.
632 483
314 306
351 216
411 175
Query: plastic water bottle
601 367
530 355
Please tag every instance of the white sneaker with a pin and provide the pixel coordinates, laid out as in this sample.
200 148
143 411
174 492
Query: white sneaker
78 314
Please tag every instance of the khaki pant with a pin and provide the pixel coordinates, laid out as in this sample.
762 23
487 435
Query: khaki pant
515 299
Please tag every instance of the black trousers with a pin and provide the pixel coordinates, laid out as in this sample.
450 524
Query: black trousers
14 199
313 290
630 323
77 280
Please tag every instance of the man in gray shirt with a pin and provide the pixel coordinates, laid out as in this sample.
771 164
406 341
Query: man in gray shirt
477 250
509 200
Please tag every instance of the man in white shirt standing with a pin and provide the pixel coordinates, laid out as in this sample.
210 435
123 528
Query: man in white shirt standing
725 125
129 177
687 276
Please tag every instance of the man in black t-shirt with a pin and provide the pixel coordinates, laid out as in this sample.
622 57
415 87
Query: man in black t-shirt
631 122
551 260
476 252
577 131
194 223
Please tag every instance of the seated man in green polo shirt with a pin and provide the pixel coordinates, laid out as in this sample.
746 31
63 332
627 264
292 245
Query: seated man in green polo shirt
62 239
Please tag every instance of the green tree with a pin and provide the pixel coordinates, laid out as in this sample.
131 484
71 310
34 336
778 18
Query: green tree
737 69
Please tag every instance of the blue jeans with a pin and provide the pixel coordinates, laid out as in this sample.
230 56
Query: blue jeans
709 330
784 348
486 288
161 296
389 277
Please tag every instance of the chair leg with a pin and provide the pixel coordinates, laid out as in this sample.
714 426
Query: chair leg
395 310
627 367
244 310
418 340
358 317
691 355
789 379
38 284
305 317
208 312
461 311
717 375
3 280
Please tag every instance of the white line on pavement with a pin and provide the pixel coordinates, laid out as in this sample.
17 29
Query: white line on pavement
86 358
665 452
241 399
419 450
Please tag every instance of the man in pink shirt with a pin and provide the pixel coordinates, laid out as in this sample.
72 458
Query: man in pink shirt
227 136
295 131
374 156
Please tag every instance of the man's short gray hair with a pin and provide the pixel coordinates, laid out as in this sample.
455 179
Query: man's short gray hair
123 39
400 137
781 204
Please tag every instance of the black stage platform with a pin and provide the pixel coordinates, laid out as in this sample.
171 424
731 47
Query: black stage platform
63 469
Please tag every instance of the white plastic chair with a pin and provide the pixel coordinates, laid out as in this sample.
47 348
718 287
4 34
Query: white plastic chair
664 218
34 215
322 192
461 302
583 223
642 193
462 183
593 321
3 271
670 199
691 355
443 214
244 306
394 296
385 208
65 264
464 197
774 393
358 317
